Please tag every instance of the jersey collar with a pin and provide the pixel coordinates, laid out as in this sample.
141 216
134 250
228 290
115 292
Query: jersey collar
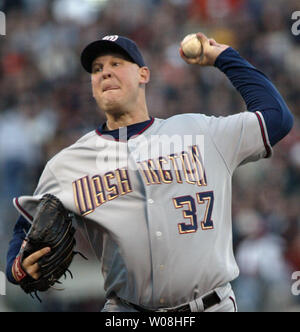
125 133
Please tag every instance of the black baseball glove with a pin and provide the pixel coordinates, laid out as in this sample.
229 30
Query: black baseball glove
52 227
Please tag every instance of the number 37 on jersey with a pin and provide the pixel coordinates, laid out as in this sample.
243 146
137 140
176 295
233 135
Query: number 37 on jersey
188 204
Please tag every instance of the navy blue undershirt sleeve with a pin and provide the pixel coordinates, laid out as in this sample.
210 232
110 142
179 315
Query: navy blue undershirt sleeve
21 228
258 93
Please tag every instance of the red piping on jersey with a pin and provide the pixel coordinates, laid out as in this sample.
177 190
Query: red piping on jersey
22 210
108 137
263 135
232 299
151 122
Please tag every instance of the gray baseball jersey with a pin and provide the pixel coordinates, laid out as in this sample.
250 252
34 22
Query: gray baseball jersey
157 209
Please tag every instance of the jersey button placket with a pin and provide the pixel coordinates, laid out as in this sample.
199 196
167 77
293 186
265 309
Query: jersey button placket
158 243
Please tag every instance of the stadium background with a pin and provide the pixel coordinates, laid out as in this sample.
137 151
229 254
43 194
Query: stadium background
46 104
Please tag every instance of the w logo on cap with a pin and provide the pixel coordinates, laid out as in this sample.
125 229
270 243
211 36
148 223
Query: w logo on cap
111 38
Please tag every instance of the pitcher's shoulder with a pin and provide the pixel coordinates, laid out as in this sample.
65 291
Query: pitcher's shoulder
85 142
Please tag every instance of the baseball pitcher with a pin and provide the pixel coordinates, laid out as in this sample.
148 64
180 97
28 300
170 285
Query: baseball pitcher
154 195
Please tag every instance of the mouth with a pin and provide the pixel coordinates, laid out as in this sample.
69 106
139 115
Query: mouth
110 88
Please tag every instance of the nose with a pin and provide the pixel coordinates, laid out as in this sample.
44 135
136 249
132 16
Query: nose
106 75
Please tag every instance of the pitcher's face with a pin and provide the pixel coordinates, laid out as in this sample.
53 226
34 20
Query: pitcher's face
116 82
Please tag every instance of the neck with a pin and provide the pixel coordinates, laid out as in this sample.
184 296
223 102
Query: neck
117 120
124 121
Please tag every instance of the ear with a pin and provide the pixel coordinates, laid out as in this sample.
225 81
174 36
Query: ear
144 75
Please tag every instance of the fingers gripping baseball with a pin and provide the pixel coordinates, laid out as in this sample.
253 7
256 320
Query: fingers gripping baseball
210 51
30 264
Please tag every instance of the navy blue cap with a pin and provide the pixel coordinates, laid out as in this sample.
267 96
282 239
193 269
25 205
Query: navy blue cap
113 43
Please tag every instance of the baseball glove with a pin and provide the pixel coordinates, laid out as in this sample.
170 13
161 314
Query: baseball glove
51 227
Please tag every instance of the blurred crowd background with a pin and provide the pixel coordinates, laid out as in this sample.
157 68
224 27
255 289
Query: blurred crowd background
46 104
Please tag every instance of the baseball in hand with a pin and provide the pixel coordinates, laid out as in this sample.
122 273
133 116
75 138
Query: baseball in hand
191 46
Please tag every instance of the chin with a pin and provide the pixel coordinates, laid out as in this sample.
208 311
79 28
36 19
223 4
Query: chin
111 107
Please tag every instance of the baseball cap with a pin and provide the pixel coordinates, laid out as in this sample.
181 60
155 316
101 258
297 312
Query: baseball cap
113 43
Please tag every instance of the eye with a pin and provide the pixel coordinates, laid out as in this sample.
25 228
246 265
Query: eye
96 69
